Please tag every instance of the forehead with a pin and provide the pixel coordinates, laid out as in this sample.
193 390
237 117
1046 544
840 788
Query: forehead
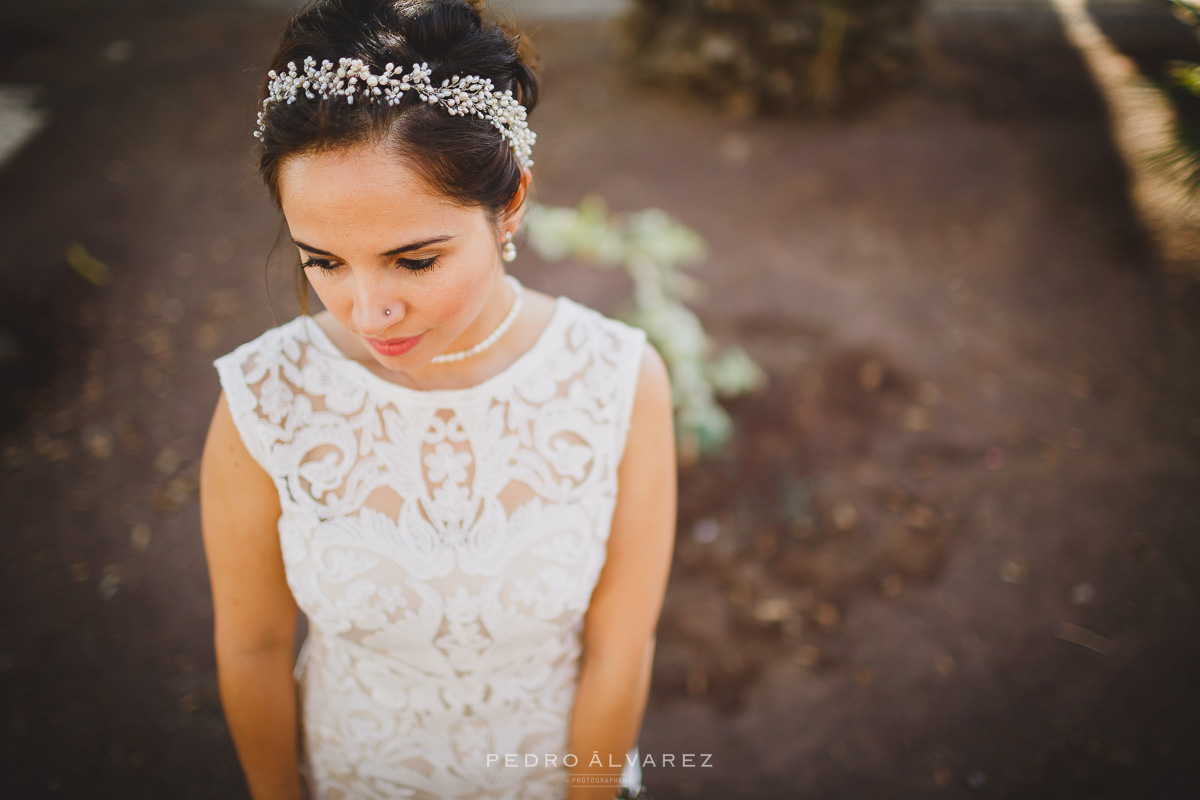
364 193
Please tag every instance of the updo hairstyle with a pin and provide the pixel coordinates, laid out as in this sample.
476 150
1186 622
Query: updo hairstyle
463 157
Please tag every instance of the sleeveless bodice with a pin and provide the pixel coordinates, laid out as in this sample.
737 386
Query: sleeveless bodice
444 546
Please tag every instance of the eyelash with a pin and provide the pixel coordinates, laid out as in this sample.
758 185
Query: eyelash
421 265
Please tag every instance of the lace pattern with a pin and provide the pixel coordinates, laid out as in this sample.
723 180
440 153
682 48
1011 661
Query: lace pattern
444 546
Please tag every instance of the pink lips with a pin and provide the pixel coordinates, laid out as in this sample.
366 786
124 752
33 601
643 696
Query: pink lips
394 347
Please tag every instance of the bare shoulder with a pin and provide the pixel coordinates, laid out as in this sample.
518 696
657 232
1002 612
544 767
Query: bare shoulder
653 399
227 462
650 440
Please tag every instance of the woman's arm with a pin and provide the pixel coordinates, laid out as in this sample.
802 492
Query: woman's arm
254 611
618 635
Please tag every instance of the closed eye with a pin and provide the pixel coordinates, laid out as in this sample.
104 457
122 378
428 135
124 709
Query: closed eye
410 264
323 264
418 265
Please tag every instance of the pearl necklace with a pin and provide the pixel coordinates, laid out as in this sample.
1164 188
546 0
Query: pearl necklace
494 336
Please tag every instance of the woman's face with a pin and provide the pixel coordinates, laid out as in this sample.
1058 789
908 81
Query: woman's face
372 237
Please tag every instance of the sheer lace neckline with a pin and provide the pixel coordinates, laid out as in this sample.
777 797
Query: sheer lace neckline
516 369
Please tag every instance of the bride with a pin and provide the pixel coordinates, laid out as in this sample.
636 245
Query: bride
467 486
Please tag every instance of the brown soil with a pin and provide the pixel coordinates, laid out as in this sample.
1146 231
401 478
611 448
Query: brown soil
951 551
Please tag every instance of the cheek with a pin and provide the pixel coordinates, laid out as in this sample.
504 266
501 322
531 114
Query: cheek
456 300
332 294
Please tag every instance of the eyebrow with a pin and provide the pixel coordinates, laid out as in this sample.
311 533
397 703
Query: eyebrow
393 252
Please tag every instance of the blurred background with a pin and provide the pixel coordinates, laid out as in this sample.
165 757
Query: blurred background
946 547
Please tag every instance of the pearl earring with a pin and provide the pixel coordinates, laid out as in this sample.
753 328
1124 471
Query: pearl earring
509 251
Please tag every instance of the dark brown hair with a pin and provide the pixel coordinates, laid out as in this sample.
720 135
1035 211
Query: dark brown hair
464 158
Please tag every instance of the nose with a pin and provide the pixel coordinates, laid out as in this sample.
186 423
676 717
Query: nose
372 299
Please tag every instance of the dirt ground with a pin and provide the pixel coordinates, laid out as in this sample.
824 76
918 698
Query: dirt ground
951 552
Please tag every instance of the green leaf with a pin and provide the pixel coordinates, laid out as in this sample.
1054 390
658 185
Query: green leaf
87 266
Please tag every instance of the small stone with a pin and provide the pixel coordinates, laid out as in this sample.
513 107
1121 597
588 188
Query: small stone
736 148
14 457
167 461
808 655
110 581
924 466
916 418
976 780
870 375
740 594
118 51
867 471
99 443
864 676
896 499
775 609
131 441
1013 572
52 450
172 310
93 390
942 777
78 571
845 516
706 530
139 537
920 516
928 393
892 585
208 336
1082 593
827 615
190 703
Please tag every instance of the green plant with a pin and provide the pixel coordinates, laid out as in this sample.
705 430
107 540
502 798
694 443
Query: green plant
775 56
1183 158
651 247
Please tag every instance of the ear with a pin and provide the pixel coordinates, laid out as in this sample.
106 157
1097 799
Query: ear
515 209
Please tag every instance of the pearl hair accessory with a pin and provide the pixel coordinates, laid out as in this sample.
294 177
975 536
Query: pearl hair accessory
352 78
494 336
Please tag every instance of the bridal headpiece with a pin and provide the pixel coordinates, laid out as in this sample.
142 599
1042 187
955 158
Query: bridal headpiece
353 79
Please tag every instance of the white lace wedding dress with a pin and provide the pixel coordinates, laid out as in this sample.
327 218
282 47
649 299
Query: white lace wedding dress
444 545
